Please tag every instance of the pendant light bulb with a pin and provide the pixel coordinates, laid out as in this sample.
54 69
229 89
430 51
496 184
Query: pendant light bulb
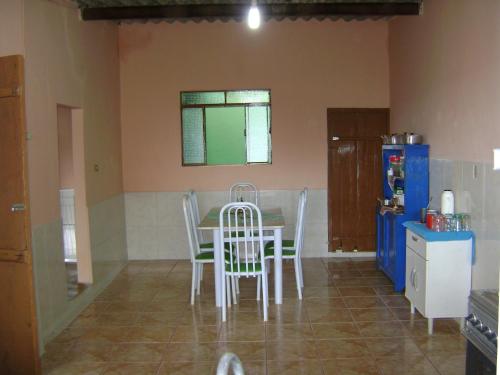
253 17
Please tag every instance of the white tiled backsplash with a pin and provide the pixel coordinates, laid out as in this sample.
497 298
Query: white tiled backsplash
156 229
476 187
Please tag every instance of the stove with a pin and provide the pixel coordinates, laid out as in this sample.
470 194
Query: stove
481 332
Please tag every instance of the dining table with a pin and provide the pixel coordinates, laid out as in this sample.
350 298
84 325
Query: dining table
272 222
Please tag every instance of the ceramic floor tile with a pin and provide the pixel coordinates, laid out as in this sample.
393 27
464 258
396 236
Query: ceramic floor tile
236 331
372 315
335 330
452 344
448 364
364 302
246 351
298 331
320 292
149 334
382 329
186 368
75 369
341 348
190 352
408 365
287 350
396 301
404 313
329 315
196 333
419 327
132 369
350 322
350 366
358 291
304 367
138 352
383 347
325 302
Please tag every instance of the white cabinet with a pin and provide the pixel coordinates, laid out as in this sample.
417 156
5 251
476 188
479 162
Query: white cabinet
438 276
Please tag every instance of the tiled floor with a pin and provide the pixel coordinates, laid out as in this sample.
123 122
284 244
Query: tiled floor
350 322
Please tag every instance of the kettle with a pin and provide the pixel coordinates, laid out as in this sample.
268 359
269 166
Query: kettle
447 202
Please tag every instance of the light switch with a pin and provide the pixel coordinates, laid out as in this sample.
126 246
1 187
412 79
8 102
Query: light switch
496 159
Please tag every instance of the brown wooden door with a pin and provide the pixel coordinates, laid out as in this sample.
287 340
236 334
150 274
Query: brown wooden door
354 176
18 329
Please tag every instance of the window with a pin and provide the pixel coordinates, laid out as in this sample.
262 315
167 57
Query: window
226 127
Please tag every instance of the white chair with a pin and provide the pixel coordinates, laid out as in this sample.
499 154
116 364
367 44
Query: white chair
198 258
245 252
292 249
193 200
244 192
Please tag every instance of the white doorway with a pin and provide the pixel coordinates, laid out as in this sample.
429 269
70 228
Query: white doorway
72 198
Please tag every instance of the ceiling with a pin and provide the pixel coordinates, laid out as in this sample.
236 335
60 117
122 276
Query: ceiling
199 10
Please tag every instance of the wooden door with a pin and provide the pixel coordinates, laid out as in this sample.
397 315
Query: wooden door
18 328
354 176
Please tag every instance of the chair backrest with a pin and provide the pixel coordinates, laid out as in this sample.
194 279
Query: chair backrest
194 244
240 227
244 192
193 199
299 227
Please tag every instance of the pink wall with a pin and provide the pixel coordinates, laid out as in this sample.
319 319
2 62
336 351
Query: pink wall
11 27
308 66
65 146
75 64
445 77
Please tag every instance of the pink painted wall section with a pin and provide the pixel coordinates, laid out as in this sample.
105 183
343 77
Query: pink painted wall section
11 27
65 146
72 63
309 66
445 77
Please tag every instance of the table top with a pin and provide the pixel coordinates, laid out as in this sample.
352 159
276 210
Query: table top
272 218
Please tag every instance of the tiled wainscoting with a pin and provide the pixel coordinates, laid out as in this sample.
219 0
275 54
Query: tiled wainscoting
156 229
108 244
477 191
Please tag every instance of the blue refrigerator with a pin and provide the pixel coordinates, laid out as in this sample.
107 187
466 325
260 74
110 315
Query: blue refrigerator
409 179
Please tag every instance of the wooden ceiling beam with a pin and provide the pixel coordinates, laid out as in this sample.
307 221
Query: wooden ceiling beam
239 11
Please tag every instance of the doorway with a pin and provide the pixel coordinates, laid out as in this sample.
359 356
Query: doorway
72 198
354 176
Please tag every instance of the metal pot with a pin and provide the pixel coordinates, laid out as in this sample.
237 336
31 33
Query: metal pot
386 139
397 139
413 139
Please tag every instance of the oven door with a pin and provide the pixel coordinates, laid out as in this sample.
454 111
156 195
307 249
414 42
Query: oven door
477 363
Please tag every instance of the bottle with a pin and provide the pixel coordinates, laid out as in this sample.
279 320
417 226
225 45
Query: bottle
447 202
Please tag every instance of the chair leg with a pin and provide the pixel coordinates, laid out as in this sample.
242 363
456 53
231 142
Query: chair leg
199 278
297 278
233 288
258 287
265 296
223 298
193 283
201 271
268 266
300 271
228 291
237 285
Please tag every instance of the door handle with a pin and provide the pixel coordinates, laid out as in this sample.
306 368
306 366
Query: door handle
18 207
334 138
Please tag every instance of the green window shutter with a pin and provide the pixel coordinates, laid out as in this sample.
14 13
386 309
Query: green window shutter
192 136
201 97
258 140
225 134
248 96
